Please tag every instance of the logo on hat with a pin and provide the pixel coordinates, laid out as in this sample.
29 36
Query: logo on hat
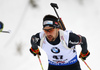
48 23
56 23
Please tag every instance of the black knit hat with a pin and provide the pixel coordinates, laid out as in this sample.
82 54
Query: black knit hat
51 21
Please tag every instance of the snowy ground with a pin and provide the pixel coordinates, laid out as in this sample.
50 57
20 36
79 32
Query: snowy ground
80 16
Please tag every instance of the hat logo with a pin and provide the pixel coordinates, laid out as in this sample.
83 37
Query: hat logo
56 23
48 22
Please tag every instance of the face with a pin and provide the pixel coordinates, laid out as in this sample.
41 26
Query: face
51 33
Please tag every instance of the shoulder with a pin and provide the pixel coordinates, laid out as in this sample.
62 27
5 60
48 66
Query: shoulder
65 33
74 37
39 34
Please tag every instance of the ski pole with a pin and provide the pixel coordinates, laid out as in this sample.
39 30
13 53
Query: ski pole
5 31
86 64
40 62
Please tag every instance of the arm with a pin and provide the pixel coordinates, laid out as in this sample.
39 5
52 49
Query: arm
79 40
35 38
35 42
83 44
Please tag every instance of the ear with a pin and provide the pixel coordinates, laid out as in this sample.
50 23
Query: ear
57 29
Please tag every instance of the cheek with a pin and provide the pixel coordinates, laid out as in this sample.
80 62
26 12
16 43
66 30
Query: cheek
51 33
54 33
48 33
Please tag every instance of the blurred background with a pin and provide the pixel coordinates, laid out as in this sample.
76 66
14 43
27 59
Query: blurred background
24 19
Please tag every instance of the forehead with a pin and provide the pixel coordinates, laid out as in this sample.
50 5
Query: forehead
47 27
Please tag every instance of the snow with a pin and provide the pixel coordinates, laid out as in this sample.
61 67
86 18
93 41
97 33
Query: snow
80 16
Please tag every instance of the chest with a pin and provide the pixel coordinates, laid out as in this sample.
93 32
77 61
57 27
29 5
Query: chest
58 49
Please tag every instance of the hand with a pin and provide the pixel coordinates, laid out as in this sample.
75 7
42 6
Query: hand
1 26
34 49
35 52
84 55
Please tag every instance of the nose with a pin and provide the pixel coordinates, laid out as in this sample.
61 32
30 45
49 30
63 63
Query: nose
48 33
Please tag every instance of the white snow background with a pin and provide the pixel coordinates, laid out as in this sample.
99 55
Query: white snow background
23 20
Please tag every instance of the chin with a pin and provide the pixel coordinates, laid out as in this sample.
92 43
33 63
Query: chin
51 40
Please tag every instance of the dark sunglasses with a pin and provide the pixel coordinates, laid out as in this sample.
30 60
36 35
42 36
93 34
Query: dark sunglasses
49 30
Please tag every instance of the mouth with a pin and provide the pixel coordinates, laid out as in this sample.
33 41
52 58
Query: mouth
50 38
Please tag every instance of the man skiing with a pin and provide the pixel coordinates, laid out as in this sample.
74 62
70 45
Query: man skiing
59 45
1 26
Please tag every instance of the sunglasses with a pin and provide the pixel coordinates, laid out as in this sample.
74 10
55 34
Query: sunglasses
48 30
